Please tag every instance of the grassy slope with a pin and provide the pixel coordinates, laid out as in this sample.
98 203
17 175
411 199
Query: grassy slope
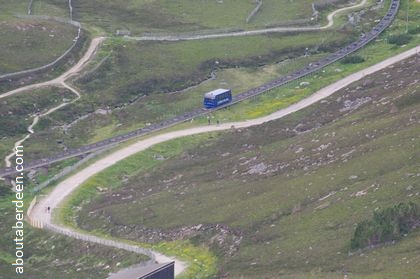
144 68
12 7
140 16
124 73
131 77
17 114
59 8
140 69
368 157
47 254
28 44
185 15
272 12
232 14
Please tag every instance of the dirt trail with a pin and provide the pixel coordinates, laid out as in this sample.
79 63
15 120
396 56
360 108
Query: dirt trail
60 82
331 16
35 121
67 186
39 214
175 37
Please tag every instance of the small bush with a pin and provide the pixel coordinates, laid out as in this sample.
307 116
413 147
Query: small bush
408 100
399 40
414 30
354 59
5 191
387 225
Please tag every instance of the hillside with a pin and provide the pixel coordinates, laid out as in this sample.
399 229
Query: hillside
48 254
282 199
328 191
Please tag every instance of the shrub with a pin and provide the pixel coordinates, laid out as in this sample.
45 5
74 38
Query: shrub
354 59
387 225
399 40
414 30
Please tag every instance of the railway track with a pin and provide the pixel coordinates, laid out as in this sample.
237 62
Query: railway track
308 69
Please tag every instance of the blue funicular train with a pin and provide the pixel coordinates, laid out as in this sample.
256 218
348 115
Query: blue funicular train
217 98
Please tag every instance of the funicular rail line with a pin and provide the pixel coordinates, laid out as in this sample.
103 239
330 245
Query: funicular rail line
312 67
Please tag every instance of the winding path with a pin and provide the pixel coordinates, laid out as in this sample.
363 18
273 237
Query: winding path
180 37
58 59
36 118
308 69
97 41
330 19
66 187
41 218
60 82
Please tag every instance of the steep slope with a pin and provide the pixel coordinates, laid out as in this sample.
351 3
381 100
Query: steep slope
282 199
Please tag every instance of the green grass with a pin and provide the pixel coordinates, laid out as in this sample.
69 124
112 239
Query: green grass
287 95
58 8
17 109
136 69
122 76
232 14
47 254
49 74
144 16
274 12
202 263
380 258
30 43
17 114
53 170
124 70
125 73
140 16
12 7
288 229
139 69
117 173
157 107
128 70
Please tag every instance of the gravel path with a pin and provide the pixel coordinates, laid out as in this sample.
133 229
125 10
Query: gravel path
60 82
40 216
36 119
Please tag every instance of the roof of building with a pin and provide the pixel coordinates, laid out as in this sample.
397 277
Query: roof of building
139 271
214 93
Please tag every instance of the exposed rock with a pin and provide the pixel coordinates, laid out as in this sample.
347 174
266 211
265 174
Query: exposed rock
257 169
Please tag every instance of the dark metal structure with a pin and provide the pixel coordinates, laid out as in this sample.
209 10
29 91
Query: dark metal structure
160 271
312 67
146 271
